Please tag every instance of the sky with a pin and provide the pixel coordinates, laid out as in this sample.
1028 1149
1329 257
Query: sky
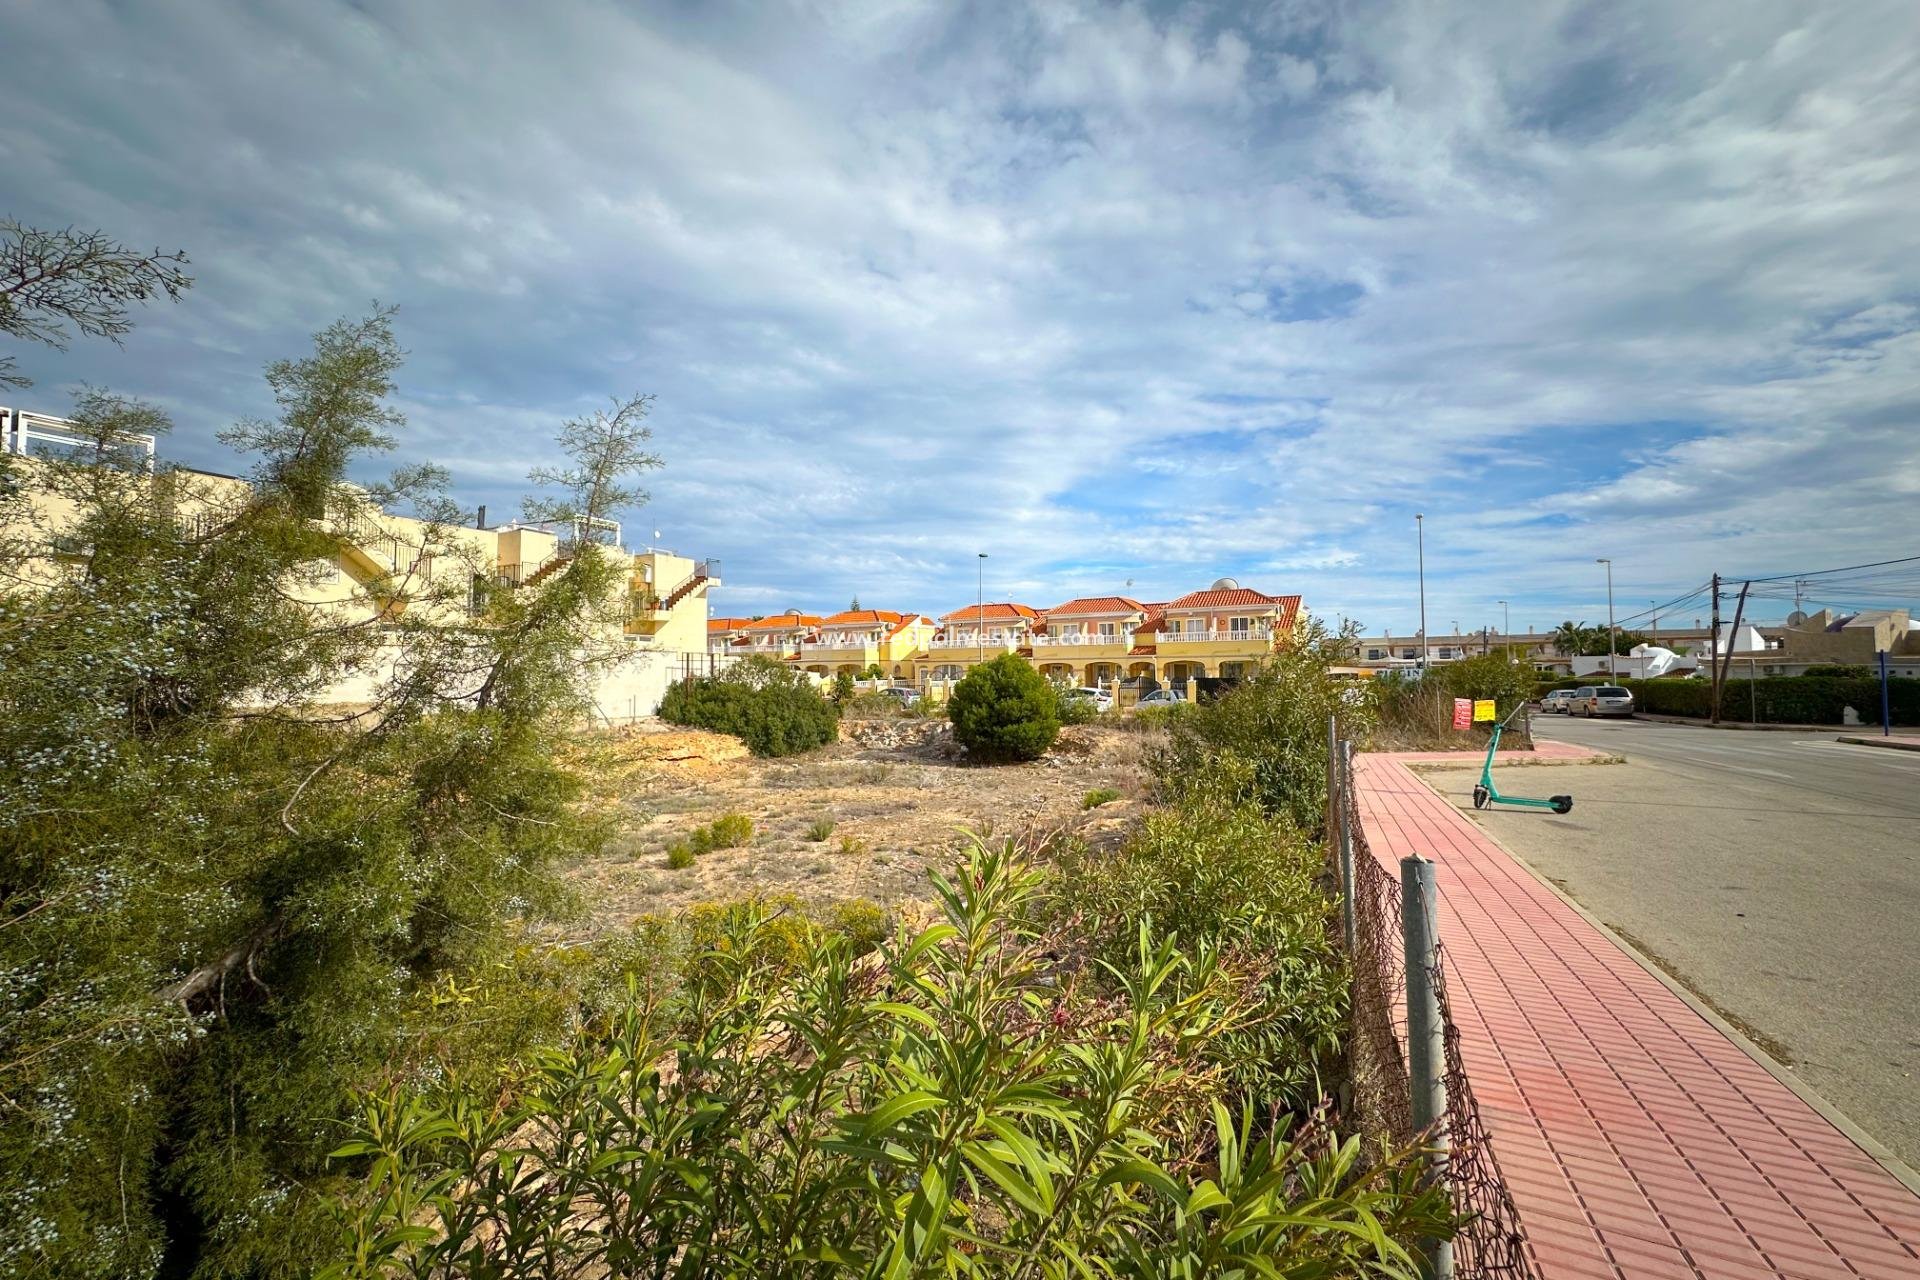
1128 297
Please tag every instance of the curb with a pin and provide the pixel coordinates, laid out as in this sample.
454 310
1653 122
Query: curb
1745 728
1896 1168
1891 744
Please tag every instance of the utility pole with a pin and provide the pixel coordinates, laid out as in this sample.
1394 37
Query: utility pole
1506 628
1713 657
1656 623
980 605
1613 670
1726 659
1420 534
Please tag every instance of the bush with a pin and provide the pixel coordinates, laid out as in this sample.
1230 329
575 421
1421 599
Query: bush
1223 876
820 830
1265 740
679 855
1070 710
852 846
1780 699
1004 710
1417 714
1098 796
1842 670
728 831
772 709
843 688
779 1092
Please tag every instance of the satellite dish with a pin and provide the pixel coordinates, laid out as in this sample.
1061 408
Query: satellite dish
1795 618
793 613
1225 584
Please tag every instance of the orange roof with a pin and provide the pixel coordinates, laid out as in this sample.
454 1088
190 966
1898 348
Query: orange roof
1235 596
861 617
725 624
785 622
992 611
910 619
1097 604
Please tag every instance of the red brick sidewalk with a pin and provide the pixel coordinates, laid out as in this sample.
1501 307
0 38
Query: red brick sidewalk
1636 1138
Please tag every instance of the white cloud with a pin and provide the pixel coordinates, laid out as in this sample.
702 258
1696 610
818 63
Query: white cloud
1106 292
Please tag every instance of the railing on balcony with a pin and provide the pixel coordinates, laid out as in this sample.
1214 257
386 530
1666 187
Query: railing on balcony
1214 635
41 435
1080 638
353 524
966 640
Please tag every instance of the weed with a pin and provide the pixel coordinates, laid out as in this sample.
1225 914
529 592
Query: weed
820 830
1098 796
852 845
679 856
728 831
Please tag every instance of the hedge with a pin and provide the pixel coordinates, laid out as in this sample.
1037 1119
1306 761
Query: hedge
1770 699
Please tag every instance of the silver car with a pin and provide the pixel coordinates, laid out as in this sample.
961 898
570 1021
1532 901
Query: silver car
1557 702
1602 700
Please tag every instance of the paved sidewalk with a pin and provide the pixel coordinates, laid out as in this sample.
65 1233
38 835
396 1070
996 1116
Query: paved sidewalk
1636 1138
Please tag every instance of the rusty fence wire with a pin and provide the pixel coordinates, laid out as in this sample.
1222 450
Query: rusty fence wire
1490 1243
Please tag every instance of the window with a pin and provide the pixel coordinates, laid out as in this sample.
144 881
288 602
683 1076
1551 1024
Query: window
1109 631
1240 628
1196 626
1409 653
1374 655
1446 651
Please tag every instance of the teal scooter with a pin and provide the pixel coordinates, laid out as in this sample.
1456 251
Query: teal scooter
1485 793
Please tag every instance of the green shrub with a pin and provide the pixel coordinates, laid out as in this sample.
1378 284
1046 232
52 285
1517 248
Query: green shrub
1098 796
1070 710
820 830
679 855
774 710
1220 875
1417 714
1780 699
1265 740
852 846
1842 671
728 831
1004 710
779 1092
843 688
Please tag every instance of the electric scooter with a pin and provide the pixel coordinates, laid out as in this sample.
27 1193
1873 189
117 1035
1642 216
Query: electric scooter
1485 793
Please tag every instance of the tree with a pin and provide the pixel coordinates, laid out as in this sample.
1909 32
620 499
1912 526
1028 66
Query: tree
1004 710
52 279
224 901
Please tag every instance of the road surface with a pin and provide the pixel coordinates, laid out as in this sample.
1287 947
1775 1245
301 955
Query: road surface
1777 875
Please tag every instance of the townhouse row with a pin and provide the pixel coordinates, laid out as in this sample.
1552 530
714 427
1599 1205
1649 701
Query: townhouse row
1093 640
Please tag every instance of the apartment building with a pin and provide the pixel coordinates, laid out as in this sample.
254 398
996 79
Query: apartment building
390 565
975 633
857 640
1087 641
1222 631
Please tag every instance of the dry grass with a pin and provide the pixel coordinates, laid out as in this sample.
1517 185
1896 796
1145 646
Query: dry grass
892 788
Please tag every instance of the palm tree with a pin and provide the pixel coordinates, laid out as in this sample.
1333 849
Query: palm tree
1570 638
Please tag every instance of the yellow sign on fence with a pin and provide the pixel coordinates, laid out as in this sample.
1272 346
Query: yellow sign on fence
1482 709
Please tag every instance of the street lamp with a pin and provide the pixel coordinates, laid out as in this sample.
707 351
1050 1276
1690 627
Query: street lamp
1506 629
1420 535
980 604
1613 671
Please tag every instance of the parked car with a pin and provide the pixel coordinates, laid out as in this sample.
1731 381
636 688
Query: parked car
904 696
1601 700
1100 698
1557 702
1163 698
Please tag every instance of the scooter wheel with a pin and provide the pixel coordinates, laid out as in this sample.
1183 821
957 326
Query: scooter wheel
1562 804
1479 797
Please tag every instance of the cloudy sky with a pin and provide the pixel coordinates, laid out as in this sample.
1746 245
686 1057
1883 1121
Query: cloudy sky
1111 292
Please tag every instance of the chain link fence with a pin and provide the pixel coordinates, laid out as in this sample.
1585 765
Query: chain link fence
1490 1243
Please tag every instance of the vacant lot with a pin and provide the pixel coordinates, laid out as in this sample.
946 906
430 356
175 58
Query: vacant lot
893 791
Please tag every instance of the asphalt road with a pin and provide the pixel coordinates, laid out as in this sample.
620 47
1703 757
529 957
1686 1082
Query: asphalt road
1777 875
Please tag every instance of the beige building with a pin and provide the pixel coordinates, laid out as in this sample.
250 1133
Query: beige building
390 565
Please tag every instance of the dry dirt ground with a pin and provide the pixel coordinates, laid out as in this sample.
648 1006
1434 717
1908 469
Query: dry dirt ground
894 790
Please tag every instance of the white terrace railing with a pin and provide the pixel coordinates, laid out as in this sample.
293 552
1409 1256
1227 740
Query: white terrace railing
1081 638
25 432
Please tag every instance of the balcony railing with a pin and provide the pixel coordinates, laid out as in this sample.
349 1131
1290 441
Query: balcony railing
1004 644
1216 635
1068 641
25 432
849 645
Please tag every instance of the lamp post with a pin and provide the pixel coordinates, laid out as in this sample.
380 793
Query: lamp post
1613 670
980 605
1506 629
1420 536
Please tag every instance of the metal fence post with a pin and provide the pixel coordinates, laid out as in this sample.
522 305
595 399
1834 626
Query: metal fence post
1346 851
1426 1033
1333 758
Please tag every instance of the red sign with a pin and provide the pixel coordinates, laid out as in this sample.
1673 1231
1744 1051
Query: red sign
1463 713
